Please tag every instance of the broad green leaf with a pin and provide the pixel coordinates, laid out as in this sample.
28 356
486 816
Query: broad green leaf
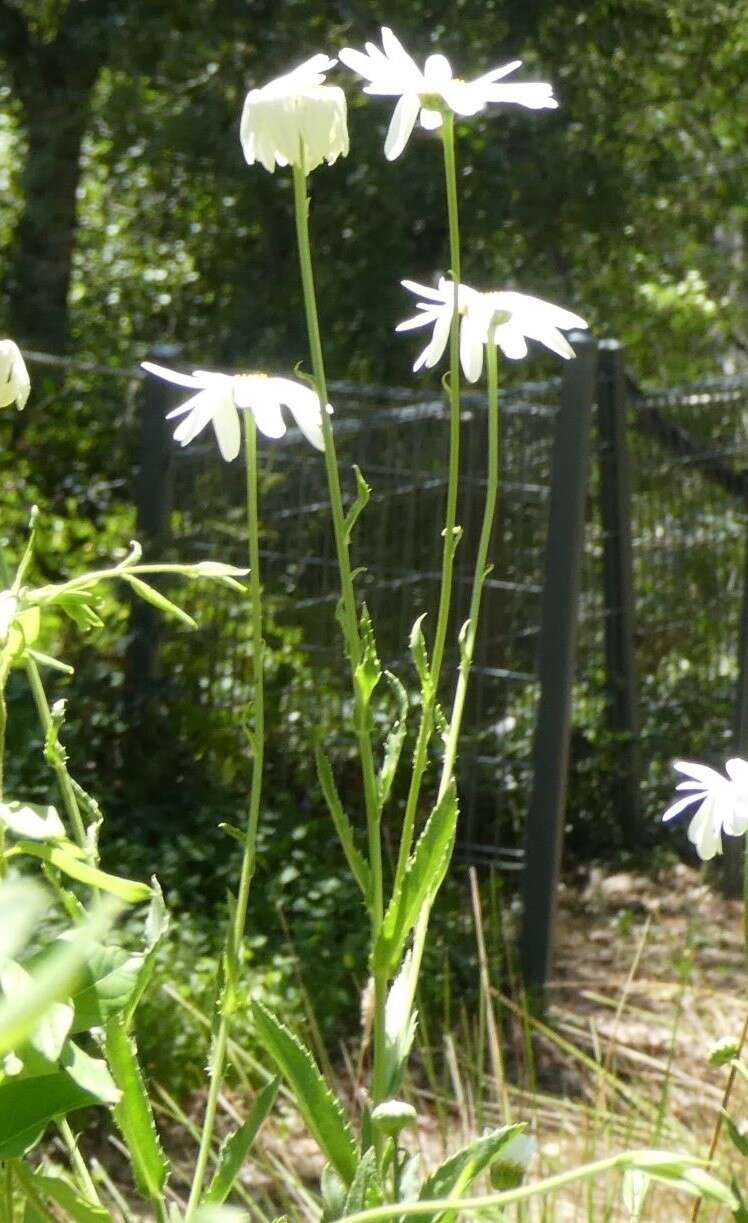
322 1112
359 867
23 903
334 1192
90 1073
234 1149
394 743
108 979
27 1106
52 982
33 821
363 493
62 1194
67 859
50 1033
421 881
739 1140
453 1178
134 1115
23 631
149 594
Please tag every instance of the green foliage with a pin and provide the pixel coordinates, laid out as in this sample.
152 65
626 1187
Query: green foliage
134 1115
236 1147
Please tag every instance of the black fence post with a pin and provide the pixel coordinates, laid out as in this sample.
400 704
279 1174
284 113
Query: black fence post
621 671
153 504
557 661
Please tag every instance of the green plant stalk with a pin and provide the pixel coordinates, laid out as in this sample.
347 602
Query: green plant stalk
493 1201
348 616
420 754
481 566
79 1164
70 802
235 931
741 1043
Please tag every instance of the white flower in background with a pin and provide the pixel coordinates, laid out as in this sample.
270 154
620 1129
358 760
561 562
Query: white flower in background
292 111
513 317
15 384
423 95
721 803
436 310
220 396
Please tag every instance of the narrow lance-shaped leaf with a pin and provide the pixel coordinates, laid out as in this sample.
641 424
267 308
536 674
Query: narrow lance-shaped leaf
367 674
354 858
321 1110
363 493
133 1114
453 1178
149 594
66 858
421 881
234 1149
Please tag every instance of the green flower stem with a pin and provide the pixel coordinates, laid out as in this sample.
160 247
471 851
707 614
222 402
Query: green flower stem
64 780
481 565
450 533
235 932
735 1066
90 1191
493 1201
348 617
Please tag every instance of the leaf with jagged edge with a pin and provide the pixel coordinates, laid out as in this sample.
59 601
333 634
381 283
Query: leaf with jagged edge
235 1148
394 742
417 643
455 1175
368 672
421 881
363 493
399 1026
359 867
322 1111
133 1115
366 1187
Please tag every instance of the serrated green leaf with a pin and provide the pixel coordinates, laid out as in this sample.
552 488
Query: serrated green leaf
368 672
321 1110
133 1114
359 867
366 1187
399 1026
394 742
421 881
27 1107
363 493
739 1141
334 1192
67 859
156 930
453 1178
149 594
235 1148
33 821
420 657
62 1194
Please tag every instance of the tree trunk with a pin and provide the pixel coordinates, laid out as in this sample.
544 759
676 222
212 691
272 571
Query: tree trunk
55 96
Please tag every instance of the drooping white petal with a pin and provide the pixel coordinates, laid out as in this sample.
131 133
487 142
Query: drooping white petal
401 125
172 375
428 315
15 384
203 408
704 832
681 805
471 348
295 119
437 72
430 120
434 350
426 291
227 427
256 394
303 403
511 341
463 97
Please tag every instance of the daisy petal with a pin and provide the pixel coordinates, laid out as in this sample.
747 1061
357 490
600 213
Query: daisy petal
401 125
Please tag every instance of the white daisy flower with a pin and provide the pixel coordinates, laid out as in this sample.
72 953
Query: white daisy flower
423 95
513 317
220 396
721 803
15 384
296 119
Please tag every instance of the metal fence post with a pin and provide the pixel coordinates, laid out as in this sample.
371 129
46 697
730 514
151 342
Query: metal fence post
153 503
557 659
618 585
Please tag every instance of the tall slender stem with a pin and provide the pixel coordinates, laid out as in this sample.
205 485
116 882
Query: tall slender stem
235 932
349 618
64 781
450 534
696 1210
